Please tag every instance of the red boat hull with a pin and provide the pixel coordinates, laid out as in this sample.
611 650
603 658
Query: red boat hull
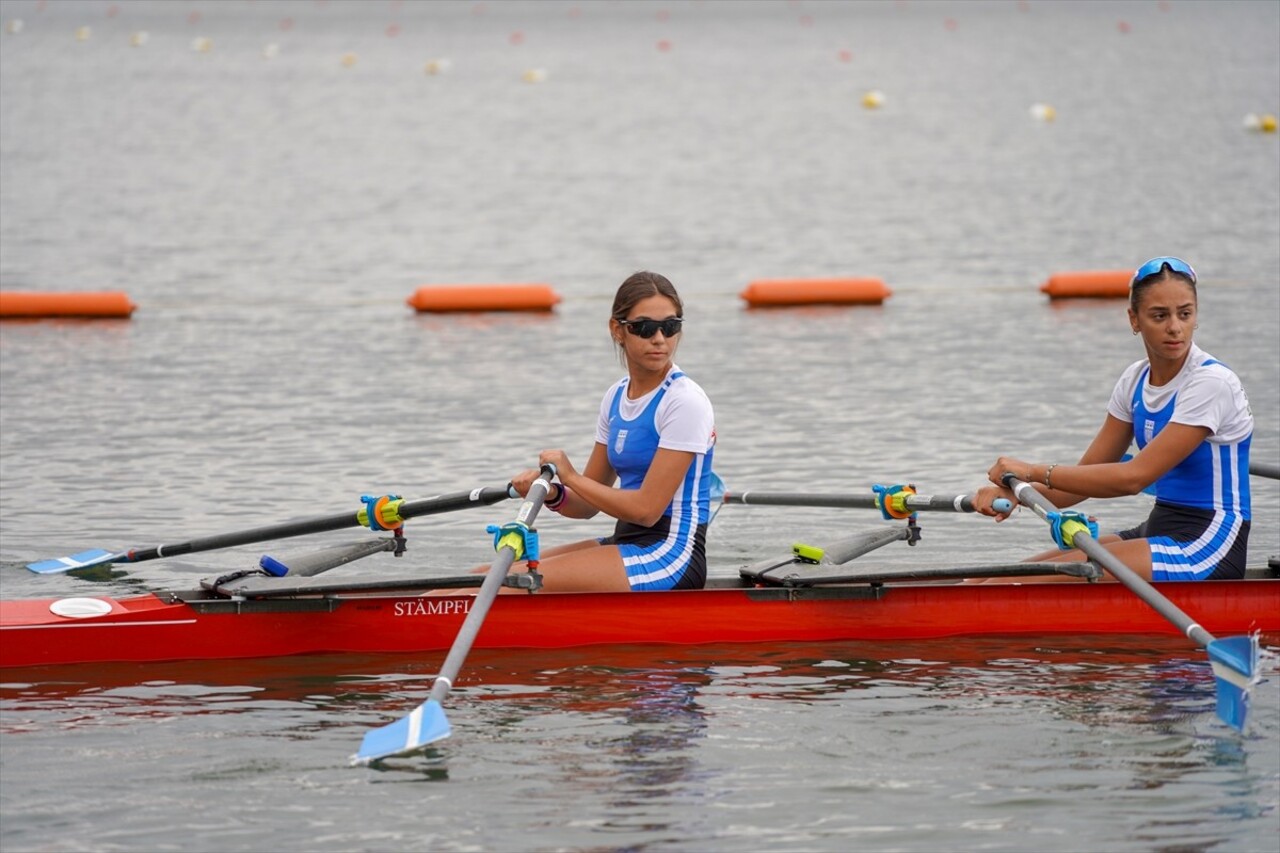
159 627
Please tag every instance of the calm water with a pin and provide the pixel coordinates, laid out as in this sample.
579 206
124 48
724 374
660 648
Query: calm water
270 216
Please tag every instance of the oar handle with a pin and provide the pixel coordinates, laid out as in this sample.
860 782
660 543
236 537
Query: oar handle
1029 496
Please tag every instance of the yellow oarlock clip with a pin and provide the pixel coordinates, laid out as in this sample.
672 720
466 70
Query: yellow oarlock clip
808 553
514 539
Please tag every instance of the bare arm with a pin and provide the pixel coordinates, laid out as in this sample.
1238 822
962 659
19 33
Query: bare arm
1100 473
593 490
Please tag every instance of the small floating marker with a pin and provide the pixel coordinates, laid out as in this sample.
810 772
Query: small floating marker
951 25
773 292
271 51
516 38
84 33
873 100
534 75
1123 27
1043 112
194 17
285 24
1260 123
140 38
444 298
113 10
14 27
349 60
1088 284
664 45
438 66
202 44
17 304
845 56
393 30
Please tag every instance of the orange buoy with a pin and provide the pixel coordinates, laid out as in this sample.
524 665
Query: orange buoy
1090 284
483 297
815 291
15 304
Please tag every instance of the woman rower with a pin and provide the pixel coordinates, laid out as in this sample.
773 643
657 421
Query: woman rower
1190 418
656 435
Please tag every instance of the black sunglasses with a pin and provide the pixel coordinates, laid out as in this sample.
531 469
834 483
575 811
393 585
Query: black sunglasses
646 328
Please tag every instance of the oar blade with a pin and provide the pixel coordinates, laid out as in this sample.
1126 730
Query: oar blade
424 726
1235 669
83 560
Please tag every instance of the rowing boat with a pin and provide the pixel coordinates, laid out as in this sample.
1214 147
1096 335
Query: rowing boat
268 617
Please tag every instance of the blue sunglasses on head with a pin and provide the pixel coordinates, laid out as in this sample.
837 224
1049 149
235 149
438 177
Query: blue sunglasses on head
1155 266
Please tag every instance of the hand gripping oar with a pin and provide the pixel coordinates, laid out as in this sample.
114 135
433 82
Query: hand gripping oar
360 518
1234 659
427 723
905 501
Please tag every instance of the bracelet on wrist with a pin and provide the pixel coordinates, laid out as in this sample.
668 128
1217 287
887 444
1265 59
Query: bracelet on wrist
562 494
1048 474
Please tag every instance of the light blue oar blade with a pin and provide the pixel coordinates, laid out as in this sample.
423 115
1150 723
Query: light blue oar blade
1235 669
83 560
425 725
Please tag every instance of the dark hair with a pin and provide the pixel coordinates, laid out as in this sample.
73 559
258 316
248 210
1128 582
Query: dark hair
1166 273
642 285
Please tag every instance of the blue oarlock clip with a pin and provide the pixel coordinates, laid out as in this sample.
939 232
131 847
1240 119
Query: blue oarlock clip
1065 524
528 549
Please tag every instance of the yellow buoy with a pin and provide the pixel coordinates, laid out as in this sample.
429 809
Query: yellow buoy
139 38
202 44
873 100
83 34
14 27
534 75
437 66
349 60
1267 124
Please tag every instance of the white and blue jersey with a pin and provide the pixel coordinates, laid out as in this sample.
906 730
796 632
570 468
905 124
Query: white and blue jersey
1199 527
678 416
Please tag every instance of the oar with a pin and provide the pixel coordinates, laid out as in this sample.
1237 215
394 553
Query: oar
845 500
1234 659
1265 469
427 723
405 510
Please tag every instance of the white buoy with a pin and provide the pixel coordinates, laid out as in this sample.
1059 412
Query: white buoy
202 44
271 51
14 27
84 34
140 38
1043 112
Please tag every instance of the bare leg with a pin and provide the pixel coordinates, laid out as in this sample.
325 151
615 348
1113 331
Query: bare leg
1134 553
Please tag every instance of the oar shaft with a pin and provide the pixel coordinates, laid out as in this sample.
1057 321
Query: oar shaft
947 503
409 509
1265 469
488 592
1028 495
